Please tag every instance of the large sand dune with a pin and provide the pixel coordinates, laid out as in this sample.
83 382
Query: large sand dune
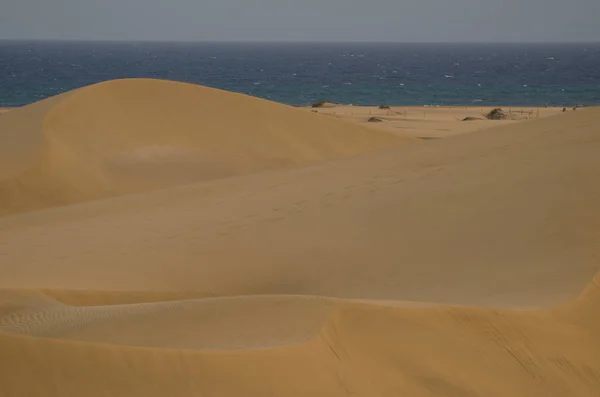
133 135
454 267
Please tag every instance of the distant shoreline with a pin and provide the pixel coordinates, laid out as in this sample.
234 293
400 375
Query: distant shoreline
5 109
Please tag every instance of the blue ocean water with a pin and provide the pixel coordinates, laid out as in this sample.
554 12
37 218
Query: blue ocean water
297 74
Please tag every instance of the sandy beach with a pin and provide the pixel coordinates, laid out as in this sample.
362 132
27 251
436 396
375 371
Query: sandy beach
167 239
430 122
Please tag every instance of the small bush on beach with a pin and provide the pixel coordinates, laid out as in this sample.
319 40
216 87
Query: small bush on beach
374 120
321 104
496 114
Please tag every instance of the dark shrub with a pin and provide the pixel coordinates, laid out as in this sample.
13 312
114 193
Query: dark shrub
496 114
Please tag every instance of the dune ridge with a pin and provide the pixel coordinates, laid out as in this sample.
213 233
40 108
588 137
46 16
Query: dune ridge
358 350
455 267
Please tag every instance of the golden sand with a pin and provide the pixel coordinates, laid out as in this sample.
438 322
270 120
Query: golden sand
135 135
333 260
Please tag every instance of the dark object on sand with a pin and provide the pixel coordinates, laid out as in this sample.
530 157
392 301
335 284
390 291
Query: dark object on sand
384 107
496 114
374 120
564 109
470 119
322 104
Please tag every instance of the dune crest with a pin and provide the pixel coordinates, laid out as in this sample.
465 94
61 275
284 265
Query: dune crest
133 135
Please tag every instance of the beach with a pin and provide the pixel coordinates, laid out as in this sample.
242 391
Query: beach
430 122
162 238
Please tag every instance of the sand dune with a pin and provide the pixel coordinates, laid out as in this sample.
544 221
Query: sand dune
133 135
451 267
360 350
493 212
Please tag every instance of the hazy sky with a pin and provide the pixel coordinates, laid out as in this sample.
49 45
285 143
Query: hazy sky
302 20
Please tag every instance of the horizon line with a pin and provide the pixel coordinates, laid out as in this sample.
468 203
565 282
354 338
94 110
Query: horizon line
157 41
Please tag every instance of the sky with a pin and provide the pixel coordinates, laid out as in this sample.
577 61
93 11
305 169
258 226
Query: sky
303 20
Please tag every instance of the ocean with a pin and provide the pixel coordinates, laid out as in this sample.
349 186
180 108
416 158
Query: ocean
302 73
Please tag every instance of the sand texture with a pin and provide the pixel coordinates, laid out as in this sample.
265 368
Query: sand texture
331 259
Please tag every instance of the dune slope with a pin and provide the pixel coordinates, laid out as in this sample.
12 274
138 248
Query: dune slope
360 349
132 135
312 280
493 212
